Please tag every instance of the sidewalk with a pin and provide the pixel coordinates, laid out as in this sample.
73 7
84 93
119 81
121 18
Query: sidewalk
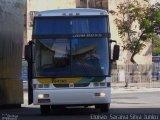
134 89
137 85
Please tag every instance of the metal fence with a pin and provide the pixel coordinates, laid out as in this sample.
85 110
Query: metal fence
136 75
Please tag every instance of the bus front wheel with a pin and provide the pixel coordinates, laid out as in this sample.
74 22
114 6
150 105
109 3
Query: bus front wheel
45 109
103 107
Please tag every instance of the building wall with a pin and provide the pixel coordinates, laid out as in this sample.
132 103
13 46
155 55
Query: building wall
81 3
102 4
42 5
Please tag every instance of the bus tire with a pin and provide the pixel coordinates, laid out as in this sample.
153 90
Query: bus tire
45 109
104 108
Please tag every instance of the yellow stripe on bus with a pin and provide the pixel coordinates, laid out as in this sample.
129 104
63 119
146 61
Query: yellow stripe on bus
58 80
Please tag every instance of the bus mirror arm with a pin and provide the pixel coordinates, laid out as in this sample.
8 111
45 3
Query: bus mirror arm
29 52
113 41
26 52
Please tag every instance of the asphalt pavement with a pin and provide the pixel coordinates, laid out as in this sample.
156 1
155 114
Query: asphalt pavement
127 104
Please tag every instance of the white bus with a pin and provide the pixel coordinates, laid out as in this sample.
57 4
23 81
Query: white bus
69 59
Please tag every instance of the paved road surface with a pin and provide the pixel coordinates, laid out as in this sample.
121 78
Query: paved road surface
125 106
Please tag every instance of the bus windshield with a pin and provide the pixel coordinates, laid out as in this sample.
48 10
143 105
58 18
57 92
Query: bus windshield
71 46
72 57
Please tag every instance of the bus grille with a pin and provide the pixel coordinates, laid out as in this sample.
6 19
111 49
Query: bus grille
73 85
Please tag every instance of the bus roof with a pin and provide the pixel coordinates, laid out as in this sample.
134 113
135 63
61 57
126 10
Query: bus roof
74 12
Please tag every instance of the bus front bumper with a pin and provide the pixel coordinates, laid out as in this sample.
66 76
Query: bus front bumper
71 96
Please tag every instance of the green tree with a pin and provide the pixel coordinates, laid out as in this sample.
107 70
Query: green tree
137 23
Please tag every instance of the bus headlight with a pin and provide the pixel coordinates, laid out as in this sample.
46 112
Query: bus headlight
41 96
101 94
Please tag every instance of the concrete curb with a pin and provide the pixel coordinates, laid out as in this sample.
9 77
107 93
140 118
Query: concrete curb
135 89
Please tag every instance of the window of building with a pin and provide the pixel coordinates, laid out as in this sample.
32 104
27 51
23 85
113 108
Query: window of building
32 14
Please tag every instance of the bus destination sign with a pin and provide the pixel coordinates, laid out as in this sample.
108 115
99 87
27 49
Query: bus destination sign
88 35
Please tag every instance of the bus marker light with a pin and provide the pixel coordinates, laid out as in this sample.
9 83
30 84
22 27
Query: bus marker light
46 85
40 85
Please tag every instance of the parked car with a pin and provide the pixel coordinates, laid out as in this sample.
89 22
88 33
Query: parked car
156 75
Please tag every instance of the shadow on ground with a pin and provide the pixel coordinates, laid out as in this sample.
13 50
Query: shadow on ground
27 111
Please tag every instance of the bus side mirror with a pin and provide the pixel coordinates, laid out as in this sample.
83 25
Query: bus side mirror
29 52
116 51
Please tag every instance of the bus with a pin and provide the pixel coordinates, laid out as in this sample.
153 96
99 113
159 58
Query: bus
69 59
